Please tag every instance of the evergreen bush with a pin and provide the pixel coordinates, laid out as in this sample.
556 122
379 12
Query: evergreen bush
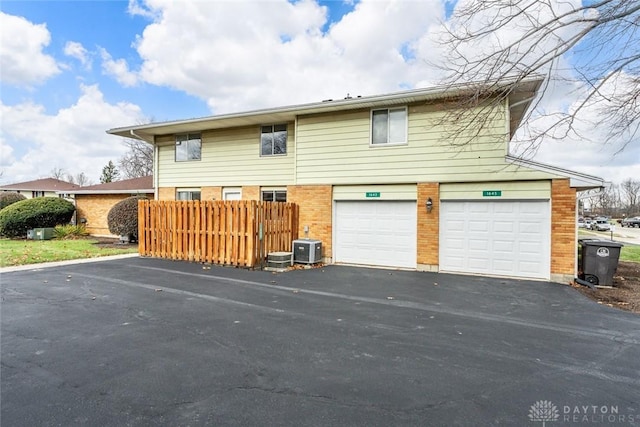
123 217
19 217
9 197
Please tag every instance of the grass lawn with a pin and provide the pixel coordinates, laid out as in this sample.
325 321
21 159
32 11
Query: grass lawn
21 252
630 253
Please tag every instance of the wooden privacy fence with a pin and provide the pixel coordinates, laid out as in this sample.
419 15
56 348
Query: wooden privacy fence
239 233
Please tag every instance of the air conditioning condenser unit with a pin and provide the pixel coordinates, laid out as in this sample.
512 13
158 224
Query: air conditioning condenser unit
306 251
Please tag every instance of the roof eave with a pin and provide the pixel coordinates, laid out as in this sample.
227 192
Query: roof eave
578 180
143 191
524 89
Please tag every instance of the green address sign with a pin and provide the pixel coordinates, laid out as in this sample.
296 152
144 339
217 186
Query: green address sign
492 193
372 194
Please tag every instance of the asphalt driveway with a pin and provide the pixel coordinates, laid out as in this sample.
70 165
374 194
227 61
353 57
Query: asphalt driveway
152 342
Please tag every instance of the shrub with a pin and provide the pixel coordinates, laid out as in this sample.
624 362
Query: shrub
70 231
9 197
24 215
123 217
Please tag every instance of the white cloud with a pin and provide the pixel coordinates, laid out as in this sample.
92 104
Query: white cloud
77 51
73 139
118 69
276 53
22 59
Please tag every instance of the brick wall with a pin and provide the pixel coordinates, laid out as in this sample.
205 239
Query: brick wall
95 209
166 193
315 203
428 226
211 193
251 192
563 230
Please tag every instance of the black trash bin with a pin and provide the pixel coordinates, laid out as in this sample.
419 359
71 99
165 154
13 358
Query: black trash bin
599 261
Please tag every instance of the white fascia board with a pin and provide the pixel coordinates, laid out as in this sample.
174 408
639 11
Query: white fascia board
577 180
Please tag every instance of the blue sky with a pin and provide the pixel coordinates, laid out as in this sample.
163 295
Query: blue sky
71 70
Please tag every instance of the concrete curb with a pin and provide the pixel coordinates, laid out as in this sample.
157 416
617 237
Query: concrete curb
69 262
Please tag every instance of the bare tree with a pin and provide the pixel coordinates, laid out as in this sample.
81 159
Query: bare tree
58 173
80 179
138 161
608 200
630 189
591 49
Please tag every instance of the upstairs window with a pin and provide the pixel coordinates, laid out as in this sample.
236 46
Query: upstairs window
273 140
188 147
389 126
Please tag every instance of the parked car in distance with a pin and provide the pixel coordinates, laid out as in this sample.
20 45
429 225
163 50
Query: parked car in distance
581 223
631 222
600 224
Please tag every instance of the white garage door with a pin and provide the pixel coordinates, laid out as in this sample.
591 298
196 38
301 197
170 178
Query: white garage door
510 238
376 233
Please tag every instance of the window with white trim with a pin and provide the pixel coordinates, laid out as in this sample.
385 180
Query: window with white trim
187 194
188 147
389 126
274 195
273 140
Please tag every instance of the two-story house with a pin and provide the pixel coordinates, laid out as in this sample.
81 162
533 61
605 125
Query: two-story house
378 183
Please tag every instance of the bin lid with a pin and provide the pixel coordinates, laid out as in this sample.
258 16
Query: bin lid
601 243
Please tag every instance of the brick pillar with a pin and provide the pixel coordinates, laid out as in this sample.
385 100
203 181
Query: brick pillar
428 226
211 193
315 211
563 231
166 193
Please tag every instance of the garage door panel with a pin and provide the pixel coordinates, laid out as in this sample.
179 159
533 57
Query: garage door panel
510 238
503 226
478 209
384 233
502 246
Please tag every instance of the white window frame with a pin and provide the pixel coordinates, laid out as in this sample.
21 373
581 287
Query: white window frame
190 193
387 143
190 137
286 146
273 191
231 190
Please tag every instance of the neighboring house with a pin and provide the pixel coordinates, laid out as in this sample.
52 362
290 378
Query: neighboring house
94 202
379 185
47 187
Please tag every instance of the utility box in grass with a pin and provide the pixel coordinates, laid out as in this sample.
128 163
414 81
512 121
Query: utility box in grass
43 233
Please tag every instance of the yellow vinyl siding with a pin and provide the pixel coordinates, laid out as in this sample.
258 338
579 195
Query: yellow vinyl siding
387 192
335 149
230 157
520 190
